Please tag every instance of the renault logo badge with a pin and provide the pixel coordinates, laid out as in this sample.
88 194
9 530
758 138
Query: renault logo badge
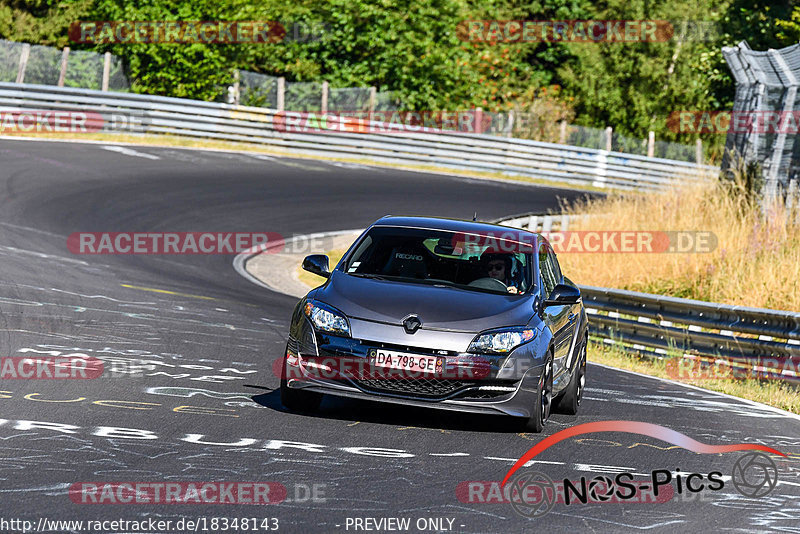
411 324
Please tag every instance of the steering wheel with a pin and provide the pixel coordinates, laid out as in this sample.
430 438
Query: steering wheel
489 283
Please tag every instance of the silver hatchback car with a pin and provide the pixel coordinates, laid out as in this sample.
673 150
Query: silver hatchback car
441 313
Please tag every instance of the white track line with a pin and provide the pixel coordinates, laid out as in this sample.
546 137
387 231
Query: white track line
241 259
740 399
128 151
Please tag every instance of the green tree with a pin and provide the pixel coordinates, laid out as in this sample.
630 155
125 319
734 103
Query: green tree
44 22
191 70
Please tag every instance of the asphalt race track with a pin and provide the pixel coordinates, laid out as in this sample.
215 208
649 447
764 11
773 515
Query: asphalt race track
204 404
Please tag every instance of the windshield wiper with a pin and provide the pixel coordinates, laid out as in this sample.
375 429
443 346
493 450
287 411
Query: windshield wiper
368 275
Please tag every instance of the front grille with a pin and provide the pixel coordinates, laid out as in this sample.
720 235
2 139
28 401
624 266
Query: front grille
416 387
381 381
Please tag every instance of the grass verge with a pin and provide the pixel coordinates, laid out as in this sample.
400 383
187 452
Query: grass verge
770 392
754 259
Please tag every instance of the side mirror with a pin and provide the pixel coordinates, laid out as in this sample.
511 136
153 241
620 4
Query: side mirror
563 294
317 264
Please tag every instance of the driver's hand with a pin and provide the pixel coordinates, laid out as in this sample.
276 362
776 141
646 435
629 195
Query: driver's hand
513 290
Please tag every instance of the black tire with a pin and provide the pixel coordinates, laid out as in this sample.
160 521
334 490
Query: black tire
297 400
544 400
570 401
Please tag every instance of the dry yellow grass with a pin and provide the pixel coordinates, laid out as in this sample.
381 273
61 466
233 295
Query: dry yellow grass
756 261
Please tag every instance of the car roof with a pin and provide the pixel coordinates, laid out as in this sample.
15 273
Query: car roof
452 225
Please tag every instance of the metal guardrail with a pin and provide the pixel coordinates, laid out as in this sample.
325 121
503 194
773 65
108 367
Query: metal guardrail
538 222
658 326
663 325
462 151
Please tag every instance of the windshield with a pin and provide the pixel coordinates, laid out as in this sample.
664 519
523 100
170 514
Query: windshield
441 257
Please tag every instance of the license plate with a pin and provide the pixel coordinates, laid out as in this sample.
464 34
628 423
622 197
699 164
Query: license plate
405 362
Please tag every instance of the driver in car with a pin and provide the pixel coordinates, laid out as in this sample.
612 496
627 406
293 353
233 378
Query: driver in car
498 266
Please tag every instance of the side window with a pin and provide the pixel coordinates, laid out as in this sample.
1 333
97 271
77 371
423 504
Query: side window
556 267
546 266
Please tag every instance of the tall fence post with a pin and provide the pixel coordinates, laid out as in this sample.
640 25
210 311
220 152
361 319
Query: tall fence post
281 94
62 76
106 70
373 97
510 129
651 144
609 135
23 62
562 134
478 120
236 87
698 151
324 97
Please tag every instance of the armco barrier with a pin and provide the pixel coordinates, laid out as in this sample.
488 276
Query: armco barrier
462 151
662 324
657 325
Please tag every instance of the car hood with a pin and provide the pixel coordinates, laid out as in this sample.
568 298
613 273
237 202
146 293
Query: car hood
437 307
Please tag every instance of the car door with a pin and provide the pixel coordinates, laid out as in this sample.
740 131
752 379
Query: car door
560 317
573 316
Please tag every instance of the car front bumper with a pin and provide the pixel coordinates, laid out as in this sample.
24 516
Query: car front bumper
485 395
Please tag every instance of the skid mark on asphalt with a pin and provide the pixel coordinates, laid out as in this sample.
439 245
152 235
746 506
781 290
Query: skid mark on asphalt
34 230
690 401
657 522
105 297
6 250
142 316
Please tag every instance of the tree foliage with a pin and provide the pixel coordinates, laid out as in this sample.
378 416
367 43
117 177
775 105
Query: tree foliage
413 47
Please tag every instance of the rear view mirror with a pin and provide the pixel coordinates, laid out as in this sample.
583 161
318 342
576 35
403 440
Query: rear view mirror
317 264
444 247
563 294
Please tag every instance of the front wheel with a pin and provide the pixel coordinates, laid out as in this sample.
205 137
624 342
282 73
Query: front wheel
297 400
571 399
544 400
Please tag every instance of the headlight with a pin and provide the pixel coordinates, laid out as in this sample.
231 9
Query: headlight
501 341
326 318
